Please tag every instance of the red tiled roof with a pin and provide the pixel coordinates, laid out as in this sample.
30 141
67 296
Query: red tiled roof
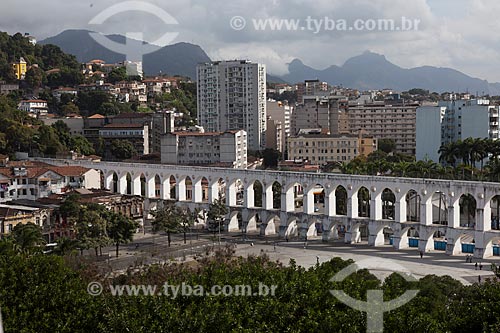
97 116
124 126
69 170
36 170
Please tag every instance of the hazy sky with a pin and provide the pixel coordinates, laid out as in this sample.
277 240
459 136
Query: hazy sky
462 34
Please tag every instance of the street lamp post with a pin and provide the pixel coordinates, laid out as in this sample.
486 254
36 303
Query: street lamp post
219 230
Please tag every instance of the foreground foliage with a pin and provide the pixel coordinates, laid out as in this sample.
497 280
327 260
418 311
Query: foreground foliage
49 294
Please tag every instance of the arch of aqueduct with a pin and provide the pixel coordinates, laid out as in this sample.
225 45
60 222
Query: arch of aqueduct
422 209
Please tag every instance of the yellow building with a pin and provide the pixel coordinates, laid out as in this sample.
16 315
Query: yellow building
20 67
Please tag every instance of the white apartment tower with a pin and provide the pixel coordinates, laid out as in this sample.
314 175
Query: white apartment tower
450 121
232 96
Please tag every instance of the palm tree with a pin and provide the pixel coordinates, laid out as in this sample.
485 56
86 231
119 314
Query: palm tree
401 168
27 238
493 170
65 245
478 151
466 150
448 153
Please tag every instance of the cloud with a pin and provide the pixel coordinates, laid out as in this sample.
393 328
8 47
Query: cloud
453 33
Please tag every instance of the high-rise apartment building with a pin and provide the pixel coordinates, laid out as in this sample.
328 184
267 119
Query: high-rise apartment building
280 113
325 112
232 96
454 120
394 120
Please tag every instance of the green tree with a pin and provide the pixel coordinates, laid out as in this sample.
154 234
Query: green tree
91 228
122 149
169 219
70 208
188 221
35 77
121 229
271 158
117 74
65 245
387 145
27 238
217 212
69 109
81 145
48 141
90 102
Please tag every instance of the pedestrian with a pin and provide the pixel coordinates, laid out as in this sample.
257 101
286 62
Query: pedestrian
475 266
421 254
317 260
286 238
480 266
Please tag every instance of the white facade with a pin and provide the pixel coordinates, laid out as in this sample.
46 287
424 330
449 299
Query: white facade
137 134
232 96
134 68
451 121
32 183
34 107
197 148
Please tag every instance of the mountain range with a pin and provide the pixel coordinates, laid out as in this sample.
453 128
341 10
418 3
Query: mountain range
374 71
175 59
366 71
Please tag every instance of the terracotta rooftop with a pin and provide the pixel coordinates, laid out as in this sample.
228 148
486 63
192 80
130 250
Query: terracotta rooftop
36 170
124 126
97 116
69 170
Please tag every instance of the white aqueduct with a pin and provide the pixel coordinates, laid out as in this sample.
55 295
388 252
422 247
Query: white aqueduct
421 212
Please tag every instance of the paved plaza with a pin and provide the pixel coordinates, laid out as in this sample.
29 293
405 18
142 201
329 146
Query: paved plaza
434 262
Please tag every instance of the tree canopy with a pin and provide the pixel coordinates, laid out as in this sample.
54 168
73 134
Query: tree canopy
48 293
